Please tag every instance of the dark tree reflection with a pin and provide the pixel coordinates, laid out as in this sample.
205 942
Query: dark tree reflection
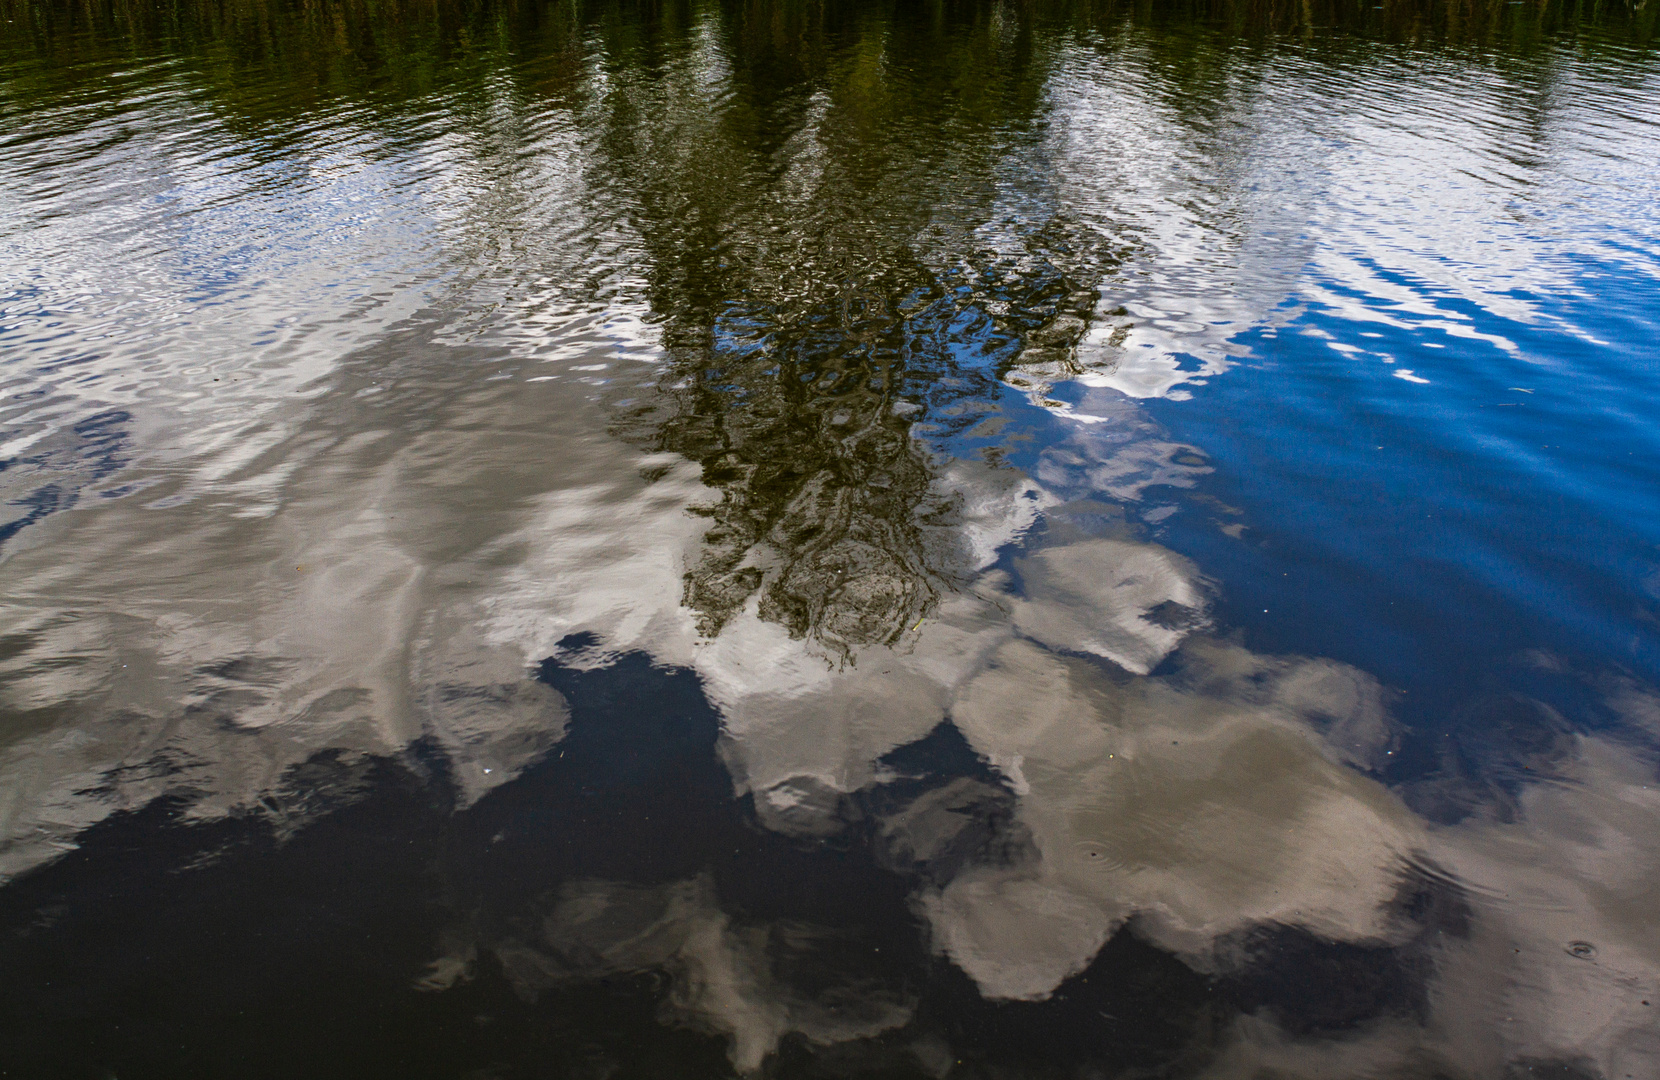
837 275
807 431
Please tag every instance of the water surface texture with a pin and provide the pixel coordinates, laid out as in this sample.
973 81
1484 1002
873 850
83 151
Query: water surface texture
828 539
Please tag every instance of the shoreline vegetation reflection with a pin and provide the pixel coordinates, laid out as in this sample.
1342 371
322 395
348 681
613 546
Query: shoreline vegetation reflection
609 540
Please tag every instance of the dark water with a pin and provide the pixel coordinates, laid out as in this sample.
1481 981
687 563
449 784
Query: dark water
829 540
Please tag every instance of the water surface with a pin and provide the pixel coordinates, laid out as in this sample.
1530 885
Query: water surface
820 539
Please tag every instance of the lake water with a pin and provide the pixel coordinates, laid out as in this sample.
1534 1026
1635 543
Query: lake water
827 539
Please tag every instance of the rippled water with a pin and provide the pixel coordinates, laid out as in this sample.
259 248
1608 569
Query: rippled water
829 539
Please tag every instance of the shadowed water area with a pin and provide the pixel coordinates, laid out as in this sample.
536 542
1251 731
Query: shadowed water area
818 539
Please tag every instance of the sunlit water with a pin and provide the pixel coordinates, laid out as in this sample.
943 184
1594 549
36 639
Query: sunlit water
938 540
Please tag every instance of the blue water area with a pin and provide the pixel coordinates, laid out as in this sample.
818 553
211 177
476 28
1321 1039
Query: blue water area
1481 529
1431 531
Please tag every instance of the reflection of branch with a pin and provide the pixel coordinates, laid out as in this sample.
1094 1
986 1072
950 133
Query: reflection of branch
796 418
817 472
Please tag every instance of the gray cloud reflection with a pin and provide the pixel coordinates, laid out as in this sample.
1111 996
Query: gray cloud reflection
725 978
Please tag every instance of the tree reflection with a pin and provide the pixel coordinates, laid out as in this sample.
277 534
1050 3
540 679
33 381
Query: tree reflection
808 241
807 431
